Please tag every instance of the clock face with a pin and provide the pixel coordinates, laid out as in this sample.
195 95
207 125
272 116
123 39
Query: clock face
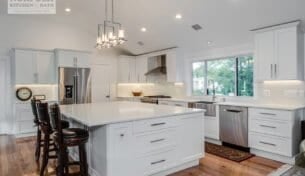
23 93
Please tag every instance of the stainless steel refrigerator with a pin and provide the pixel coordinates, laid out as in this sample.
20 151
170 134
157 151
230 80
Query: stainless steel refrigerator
74 85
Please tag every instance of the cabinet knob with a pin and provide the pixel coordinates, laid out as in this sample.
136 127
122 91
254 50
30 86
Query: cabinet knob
122 135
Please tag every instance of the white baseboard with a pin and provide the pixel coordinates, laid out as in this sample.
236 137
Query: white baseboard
21 135
213 141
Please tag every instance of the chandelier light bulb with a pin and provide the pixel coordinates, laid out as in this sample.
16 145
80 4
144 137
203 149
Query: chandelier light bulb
121 33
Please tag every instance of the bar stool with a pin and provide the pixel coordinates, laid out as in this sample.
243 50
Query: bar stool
45 126
39 141
70 137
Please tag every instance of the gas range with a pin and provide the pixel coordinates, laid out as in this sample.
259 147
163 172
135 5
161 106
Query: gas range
153 99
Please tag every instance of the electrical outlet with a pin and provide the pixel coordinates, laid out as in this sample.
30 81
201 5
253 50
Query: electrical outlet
267 93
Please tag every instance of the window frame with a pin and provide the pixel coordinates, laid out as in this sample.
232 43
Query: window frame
235 75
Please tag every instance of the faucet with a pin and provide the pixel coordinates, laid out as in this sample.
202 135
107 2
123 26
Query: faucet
213 89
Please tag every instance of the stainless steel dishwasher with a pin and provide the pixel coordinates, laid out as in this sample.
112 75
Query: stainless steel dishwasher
234 125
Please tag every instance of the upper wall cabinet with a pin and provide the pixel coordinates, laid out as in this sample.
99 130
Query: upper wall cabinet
127 69
70 58
141 68
33 66
279 53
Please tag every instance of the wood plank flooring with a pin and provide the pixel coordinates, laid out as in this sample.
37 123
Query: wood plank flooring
17 159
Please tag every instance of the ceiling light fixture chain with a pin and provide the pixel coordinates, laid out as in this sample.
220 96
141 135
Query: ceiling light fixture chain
110 33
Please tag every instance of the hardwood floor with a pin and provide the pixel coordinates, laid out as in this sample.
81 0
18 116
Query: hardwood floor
17 159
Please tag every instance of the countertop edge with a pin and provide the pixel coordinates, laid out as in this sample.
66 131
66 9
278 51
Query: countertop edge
69 116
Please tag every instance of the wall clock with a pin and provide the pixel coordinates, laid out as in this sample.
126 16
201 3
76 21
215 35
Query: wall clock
23 93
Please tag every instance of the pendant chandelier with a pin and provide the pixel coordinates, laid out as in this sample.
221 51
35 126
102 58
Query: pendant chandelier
110 33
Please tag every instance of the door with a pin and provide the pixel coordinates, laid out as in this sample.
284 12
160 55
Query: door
265 54
45 67
83 88
67 88
101 83
2 94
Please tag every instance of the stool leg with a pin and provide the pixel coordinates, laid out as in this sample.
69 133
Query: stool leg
45 156
60 161
38 142
83 160
66 160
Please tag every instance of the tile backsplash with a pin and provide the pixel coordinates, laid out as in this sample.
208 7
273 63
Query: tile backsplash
281 92
50 91
170 89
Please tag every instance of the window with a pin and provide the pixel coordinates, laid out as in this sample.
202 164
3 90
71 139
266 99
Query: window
231 76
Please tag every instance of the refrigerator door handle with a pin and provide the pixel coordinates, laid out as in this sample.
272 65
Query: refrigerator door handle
75 89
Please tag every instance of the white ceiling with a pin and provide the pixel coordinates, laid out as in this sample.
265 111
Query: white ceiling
225 22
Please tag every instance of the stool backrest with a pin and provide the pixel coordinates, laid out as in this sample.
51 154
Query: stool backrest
34 110
56 119
43 117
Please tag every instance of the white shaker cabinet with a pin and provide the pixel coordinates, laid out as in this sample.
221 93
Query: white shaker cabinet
127 69
275 134
174 66
33 66
24 120
279 53
141 68
71 58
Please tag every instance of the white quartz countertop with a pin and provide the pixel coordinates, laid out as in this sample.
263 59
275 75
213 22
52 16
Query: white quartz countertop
263 105
97 114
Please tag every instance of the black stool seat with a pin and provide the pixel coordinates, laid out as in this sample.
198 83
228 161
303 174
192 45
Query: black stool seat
65 124
75 133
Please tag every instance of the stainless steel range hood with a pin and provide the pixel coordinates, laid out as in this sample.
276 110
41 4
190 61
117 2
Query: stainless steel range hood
157 65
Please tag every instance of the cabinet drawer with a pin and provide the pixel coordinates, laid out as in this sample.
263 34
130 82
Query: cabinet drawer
153 142
277 128
155 163
154 124
256 113
271 144
26 127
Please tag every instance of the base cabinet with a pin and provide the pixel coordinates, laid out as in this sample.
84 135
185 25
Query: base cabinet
276 132
146 147
24 120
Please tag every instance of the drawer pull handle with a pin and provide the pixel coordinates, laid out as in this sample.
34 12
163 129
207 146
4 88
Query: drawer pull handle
157 124
158 140
157 162
232 110
267 143
267 126
178 105
270 114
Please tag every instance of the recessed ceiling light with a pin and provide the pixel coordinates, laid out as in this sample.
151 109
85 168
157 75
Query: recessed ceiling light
67 9
210 43
143 29
178 16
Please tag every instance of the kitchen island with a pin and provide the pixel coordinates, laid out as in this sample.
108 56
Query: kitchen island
137 139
